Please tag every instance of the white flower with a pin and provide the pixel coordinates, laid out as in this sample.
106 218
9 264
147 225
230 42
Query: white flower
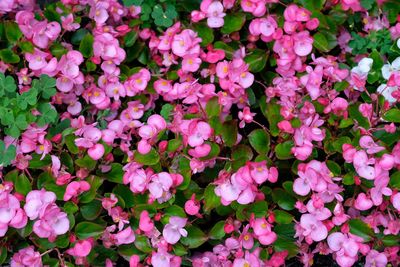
363 67
387 69
398 43
387 91
365 64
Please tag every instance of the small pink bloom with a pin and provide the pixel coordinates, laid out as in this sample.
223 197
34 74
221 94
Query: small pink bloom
145 223
313 228
174 229
96 151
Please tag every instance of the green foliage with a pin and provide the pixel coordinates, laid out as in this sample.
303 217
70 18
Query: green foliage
379 40
16 109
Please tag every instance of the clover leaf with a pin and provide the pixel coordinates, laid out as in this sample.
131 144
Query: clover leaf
6 154
7 84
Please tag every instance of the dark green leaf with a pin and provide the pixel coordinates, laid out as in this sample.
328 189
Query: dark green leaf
260 141
85 230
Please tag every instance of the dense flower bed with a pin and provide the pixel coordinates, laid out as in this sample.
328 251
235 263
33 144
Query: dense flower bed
200 133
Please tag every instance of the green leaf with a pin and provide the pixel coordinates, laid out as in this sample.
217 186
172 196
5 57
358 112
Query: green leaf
86 162
20 122
211 200
48 114
392 115
395 180
150 158
126 194
367 4
283 150
91 210
341 86
129 3
213 108
8 56
166 111
95 182
3 254
260 141
226 48
13 32
7 83
256 60
116 174
173 145
175 210
142 243
23 185
26 47
285 239
217 232
356 115
195 237
361 229
205 33
6 154
58 50
283 217
283 200
229 133
86 45
36 162
271 111
391 240
333 167
233 22
320 42
85 230
130 38
30 97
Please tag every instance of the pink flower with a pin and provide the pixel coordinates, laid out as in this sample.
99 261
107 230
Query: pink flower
26 257
199 131
303 43
145 223
361 164
96 152
68 23
256 7
137 82
126 236
396 201
363 202
81 248
161 259
245 116
75 188
313 228
192 207
190 63
375 259
262 230
186 43
11 213
368 143
160 185
174 229
345 249
37 201
51 223
44 32
215 15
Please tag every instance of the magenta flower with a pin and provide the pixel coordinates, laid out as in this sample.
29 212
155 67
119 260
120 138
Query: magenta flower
174 229
313 228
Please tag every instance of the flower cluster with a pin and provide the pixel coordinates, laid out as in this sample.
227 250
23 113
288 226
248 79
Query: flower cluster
199 133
